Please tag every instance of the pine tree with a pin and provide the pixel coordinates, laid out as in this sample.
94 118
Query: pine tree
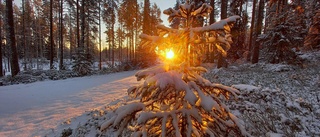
146 18
11 40
1 67
251 30
238 31
174 99
312 40
88 21
51 35
61 64
256 46
283 34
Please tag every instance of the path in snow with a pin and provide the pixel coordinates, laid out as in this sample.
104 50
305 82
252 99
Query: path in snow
33 109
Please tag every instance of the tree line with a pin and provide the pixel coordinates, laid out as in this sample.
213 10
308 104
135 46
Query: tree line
42 30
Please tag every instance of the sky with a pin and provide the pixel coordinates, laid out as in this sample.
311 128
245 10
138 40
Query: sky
164 4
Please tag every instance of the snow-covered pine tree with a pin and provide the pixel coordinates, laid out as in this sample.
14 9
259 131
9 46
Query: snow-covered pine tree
174 99
82 63
283 35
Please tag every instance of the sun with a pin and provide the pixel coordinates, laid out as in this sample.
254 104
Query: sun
169 54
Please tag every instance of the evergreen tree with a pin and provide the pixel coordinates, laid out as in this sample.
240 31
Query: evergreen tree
238 30
51 35
88 21
224 9
175 100
283 35
252 30
256 45
11 40
1 55
312 40
146 18
176 21
109 17
61 64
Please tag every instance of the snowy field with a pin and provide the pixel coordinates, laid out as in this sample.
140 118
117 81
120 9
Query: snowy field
37 108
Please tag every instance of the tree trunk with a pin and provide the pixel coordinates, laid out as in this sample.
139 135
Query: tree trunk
51 35
24 36
70 36
100 61
61 36
212 19
1 68
82 25
112 42
224 8
251 29
146 17
12 40
78 26
255 55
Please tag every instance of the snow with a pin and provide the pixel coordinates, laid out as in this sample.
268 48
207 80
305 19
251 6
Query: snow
245 87
276 99
37 108
270 134
217 25
271 103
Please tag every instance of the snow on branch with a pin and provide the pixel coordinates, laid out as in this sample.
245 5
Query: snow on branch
167 29
153 39
203 11
172 14
188 10
217 25
171 98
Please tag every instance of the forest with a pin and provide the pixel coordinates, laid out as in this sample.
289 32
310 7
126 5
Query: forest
50 32
219 68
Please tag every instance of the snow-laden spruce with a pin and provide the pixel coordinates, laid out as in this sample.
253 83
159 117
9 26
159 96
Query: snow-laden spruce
174 99
176 102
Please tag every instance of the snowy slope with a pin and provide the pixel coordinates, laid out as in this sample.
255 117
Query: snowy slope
33 109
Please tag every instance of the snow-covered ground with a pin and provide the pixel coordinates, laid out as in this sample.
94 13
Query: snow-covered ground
276 100
37 108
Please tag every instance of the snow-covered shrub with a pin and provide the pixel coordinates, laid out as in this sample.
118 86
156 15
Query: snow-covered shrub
82 64
176 102
66 132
